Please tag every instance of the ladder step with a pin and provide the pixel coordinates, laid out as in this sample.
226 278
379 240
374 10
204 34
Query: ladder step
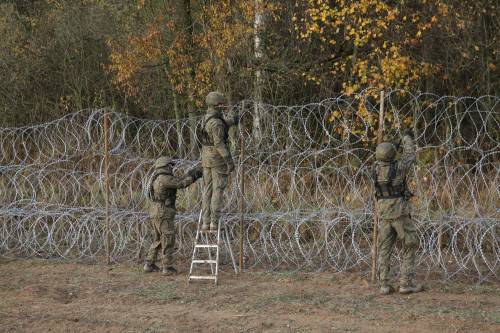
205 245
203 277
204 261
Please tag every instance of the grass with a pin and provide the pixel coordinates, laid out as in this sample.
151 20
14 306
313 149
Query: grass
299 298
161 291
460 288
481 289
495 316
412 311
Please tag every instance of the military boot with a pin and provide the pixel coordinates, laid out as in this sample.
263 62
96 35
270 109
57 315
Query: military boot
410 288
150 267
386 289
169 270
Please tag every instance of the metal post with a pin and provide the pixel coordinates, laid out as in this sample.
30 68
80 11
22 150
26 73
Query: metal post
242 189
380 135
106 186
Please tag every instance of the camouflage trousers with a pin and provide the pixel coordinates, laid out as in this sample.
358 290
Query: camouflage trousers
214 184
403 229
163 233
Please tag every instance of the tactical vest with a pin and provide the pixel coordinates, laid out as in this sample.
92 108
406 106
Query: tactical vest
168 196
386 189
202 133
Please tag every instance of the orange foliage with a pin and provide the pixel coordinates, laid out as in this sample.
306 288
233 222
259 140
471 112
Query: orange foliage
192 61
371 38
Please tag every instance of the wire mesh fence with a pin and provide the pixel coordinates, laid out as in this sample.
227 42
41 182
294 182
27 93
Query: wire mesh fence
308 195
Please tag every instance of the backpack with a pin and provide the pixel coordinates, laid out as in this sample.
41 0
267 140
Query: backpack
386 189
149 190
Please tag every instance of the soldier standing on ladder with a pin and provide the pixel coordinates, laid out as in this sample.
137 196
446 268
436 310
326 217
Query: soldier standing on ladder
215 158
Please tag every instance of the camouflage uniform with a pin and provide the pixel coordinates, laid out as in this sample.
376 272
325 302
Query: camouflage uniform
216 159
163 188
394 211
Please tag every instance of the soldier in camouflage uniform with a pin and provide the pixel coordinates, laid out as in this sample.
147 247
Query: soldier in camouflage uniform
216 159
393 196
162 192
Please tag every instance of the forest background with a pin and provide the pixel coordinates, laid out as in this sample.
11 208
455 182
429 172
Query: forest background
159 58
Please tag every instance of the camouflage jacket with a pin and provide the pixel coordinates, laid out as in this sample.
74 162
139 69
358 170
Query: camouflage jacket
164 192
395 207
217 153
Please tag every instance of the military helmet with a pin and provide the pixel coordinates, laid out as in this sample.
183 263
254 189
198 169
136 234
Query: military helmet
163 162
215 98
385 152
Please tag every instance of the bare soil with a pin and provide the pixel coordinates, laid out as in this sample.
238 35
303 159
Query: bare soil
51 296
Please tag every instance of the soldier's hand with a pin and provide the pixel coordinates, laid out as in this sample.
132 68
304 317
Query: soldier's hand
198 174
409 132
195 173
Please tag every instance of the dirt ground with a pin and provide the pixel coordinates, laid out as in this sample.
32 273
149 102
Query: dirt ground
50 296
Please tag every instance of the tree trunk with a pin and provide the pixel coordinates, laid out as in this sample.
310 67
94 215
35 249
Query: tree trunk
233 131
184 30
258 26
178 124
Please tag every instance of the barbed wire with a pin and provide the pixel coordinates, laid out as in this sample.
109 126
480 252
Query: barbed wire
308 196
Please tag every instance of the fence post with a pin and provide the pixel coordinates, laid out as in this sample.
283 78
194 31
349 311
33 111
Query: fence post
242 187
380 135
106 186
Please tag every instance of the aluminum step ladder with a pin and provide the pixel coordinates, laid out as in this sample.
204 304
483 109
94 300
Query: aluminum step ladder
209 241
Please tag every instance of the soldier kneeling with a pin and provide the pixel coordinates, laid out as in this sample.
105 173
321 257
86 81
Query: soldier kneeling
162 192
392 194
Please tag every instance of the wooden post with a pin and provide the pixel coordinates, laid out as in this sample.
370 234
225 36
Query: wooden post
380 136
242 188
106 186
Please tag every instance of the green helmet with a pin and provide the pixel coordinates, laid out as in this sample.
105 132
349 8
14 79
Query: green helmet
215 98
163 162
385 152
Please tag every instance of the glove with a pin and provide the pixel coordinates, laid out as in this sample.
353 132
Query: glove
409 132
230 165
198 174
195 173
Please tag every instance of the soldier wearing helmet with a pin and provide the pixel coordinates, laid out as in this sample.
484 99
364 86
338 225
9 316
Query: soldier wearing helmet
161 191
391 191
216 158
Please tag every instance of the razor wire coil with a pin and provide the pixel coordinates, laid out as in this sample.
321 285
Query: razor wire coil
308 198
